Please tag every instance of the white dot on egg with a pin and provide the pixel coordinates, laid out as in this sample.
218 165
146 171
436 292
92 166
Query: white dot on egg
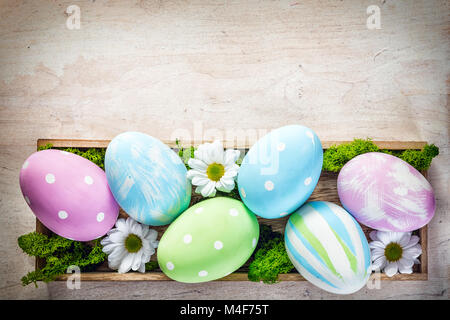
203 273
187 238
199 210
254 242
25 165
63 214
243 192
64 152
50 178
100 216
233 212
269 185
88 180
308 181
281 146
170 265
218 245
28 200
283 214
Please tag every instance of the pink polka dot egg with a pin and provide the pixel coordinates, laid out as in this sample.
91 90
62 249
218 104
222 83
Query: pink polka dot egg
68 194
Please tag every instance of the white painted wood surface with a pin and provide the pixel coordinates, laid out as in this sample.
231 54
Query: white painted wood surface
163 66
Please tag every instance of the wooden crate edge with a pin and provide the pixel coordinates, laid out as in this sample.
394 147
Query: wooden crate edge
86 143
237 276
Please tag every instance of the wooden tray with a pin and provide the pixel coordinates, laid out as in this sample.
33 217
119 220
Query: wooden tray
326 190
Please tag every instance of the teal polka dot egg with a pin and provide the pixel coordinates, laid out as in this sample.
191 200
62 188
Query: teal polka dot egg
147 178
328 247
280 171
210 240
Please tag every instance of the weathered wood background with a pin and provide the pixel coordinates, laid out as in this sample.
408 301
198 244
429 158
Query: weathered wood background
173 67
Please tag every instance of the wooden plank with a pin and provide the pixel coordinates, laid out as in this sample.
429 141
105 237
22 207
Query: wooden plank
80 143
237 276
326 189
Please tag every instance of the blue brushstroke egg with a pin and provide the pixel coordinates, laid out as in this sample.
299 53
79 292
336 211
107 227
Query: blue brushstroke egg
147 178
328 247
280 171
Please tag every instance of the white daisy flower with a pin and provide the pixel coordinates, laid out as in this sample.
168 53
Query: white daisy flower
213 169
129 245
394 252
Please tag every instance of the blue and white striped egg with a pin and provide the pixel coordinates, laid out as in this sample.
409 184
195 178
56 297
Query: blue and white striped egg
280 171
328 247
147 178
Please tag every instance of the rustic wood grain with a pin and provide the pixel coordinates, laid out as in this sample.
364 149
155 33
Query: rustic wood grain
236 276
86 143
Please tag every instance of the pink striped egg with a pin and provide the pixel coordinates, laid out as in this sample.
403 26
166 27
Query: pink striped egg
68 194
386 193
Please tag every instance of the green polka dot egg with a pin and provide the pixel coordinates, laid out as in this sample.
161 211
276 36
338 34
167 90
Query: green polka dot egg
208 241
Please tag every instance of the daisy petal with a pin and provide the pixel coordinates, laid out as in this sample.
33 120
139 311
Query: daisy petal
379 263
119 253
231 171
404 239
200 181
413 252
405 265
142 268
151 235
136 260
412 242
191 174
118 237
197 164
231 156
227 183
386 237
377 252
154 243
125 266
202 153
377 244
208 189
216 153
121 225
391 269
109 248
373 235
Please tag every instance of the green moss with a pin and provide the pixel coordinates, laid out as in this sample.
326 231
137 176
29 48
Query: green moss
151 265
59 253
96 155
335 157
185 153
270 258
420 159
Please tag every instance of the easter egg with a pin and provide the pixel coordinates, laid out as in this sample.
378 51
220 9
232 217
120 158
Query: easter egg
385 193
328 247
147 178
208 241
68 194
280 171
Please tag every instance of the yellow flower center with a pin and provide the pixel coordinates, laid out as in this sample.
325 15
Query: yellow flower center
215 171
133 243
393 252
